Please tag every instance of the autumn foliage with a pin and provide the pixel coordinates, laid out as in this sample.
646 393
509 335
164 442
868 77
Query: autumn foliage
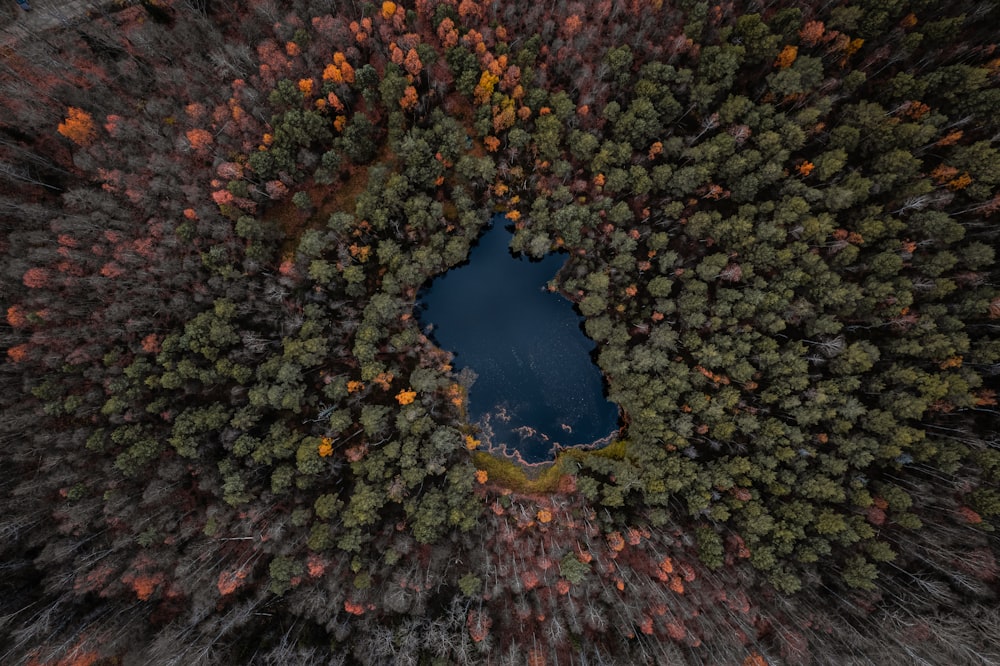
17 353
199 139
228 433
230 581
78 127
409 99
786 57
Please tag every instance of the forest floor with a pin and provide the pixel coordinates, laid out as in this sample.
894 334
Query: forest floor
17 24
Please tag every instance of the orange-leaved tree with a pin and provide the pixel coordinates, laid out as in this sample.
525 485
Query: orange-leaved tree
447 33
786 57
78 127
200 139
409 98
412 62
812 33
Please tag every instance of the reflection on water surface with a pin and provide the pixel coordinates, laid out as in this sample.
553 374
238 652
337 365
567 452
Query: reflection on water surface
536 385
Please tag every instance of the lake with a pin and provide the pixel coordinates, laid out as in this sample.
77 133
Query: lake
537 388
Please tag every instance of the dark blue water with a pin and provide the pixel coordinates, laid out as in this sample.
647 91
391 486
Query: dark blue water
536 387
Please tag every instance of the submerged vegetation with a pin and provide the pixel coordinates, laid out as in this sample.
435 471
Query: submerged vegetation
226 438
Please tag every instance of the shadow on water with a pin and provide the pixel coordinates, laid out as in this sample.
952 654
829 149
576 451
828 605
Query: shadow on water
537 388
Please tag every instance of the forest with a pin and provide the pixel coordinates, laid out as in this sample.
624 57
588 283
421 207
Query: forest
227 439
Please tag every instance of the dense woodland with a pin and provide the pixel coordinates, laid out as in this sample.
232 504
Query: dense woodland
226 438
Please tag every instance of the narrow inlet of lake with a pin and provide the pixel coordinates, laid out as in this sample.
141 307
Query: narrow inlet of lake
536 388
